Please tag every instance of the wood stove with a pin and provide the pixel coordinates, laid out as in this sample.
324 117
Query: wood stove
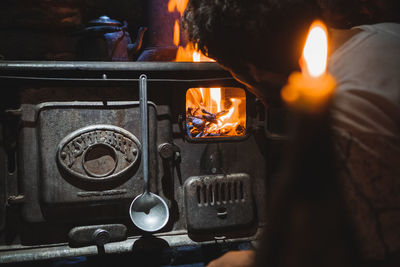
70 159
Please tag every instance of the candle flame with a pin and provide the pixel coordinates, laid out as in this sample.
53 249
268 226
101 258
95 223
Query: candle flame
315 51
311 89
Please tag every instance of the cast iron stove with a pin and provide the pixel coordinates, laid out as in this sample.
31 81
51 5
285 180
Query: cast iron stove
70 159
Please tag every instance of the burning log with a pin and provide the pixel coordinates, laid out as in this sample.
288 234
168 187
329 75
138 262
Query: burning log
202 125
215 112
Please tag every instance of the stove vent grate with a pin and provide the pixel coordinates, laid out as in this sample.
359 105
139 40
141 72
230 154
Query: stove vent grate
220 193
218 202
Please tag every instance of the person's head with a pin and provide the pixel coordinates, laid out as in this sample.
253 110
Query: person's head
259 41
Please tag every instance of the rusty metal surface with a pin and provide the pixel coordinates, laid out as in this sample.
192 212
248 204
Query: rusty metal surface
47 203
98 153
60 251
56 126
217 203
96 234
2 179
205 69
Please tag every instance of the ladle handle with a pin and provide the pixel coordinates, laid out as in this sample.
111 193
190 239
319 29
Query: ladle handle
145 131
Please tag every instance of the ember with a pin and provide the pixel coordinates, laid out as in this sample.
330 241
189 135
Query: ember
208 114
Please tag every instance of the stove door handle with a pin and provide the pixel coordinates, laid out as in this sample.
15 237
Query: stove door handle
222 213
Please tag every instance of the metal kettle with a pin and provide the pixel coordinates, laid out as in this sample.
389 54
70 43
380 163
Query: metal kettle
105 39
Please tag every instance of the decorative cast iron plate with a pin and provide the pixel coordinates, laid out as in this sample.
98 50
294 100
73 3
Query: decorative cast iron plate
98 152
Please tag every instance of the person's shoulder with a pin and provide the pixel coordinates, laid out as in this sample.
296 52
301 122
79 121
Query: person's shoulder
391 28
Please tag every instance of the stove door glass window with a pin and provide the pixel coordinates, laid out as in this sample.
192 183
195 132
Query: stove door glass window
215 112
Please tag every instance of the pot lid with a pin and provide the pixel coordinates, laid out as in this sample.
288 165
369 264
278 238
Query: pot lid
104 21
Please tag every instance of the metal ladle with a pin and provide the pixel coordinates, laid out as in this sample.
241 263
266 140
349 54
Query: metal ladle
148 211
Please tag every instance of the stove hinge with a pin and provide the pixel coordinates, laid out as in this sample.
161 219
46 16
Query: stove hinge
10 144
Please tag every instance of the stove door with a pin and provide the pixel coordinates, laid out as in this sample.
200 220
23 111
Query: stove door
83 160
219 203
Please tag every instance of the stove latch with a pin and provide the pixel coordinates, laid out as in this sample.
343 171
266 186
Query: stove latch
97 234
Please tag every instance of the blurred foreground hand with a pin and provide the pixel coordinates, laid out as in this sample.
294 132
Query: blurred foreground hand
243 258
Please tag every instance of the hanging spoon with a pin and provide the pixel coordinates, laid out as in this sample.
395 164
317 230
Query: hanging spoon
148 211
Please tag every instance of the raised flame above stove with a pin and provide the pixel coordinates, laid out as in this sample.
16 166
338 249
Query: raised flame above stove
188 52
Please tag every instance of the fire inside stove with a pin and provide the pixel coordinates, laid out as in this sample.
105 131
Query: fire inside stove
215 112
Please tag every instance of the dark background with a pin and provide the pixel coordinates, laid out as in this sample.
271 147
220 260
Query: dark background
42 29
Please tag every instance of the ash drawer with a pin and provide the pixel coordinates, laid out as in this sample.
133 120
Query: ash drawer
218 203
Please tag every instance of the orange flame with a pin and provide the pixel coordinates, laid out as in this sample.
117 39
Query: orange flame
189 52
179 5
215 112
315 52
176 33
313 87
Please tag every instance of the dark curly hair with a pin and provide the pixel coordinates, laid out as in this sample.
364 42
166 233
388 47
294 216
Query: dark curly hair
268 33
237 31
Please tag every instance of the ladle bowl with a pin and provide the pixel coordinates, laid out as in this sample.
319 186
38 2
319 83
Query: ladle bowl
149 212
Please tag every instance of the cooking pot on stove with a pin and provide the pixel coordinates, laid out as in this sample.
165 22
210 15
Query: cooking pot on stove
106 39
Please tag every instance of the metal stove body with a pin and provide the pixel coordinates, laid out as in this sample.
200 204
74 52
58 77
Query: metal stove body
70 160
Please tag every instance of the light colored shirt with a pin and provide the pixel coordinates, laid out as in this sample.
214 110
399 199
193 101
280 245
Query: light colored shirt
370 61
366 119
